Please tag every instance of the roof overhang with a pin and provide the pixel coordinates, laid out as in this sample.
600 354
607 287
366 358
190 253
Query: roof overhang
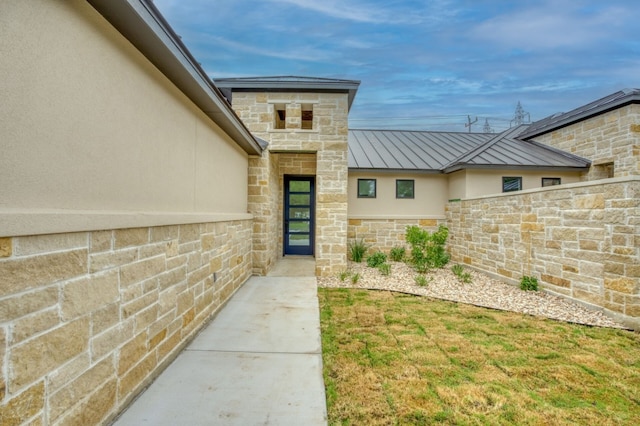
459 167
288 84
143 25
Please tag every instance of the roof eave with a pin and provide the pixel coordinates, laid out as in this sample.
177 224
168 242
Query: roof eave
143 25
458 167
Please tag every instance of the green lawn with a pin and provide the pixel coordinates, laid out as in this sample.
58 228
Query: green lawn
396 359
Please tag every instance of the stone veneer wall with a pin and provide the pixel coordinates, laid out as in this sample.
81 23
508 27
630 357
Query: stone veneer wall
384 234
612 137
88 319
328 141
581 241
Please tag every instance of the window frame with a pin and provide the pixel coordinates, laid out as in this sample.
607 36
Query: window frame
375 188
519 179
553 179
413 189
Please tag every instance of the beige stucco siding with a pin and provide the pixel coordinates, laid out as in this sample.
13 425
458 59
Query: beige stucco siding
89 124
477 183
431 194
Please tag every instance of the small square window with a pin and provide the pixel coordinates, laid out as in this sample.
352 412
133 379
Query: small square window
280 116
510 184
550 181
405 188
366 188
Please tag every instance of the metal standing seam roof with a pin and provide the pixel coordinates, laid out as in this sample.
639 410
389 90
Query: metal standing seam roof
559 120
401 150
446 152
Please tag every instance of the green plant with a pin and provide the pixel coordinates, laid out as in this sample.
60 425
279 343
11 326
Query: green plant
344 275
397 254
458 271
427 248
357 250
355 278
529 283
385 269
422 280
376 259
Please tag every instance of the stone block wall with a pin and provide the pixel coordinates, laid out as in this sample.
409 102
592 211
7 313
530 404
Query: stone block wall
87 319
327 140
384 234
610 140
581 241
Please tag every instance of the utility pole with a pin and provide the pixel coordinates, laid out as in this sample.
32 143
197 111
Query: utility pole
519 116
487 128
469 122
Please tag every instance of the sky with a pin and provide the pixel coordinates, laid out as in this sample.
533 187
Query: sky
425 64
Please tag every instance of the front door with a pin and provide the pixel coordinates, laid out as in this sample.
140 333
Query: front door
299 211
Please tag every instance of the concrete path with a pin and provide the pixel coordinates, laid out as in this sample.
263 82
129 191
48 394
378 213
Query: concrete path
259 362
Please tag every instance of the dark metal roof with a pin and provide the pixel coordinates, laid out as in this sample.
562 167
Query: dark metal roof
506 150
145 27
559 120
446 152
408 150
288 84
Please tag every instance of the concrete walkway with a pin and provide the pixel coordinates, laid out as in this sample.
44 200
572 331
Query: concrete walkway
258 362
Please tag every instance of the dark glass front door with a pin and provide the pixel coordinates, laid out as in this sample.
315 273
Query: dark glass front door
299 202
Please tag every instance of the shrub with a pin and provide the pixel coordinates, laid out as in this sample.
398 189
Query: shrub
343 275
355 278
357 250
376 259
529 283
457 270
397 254
385 269
427 248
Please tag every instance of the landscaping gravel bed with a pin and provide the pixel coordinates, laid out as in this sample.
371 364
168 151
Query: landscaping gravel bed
481 291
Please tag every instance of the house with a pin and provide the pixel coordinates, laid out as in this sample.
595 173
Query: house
136 196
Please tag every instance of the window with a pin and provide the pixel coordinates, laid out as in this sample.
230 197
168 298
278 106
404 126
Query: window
404 188
280 116
307 117
366 188
550 181
510 184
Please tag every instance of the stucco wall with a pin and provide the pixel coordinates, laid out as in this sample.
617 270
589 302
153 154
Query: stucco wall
89 125
477 183
580 241
431 195
612 137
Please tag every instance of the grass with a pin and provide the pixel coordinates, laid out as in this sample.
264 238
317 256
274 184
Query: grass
396 359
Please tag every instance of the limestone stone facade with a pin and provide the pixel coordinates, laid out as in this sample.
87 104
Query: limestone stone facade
610 140
87 319
320 152
385 234
581 241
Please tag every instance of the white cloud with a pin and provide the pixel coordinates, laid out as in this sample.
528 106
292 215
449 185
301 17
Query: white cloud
551 25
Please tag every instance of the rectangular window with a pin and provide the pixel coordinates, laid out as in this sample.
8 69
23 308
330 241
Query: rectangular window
404 188
510 184
280 116
550 181
366 188
307 116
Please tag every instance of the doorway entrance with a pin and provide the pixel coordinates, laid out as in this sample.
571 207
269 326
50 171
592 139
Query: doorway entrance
299 215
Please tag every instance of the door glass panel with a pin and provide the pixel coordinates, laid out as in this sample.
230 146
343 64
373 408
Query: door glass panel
299 213
299 186
299 199
299 240
298 226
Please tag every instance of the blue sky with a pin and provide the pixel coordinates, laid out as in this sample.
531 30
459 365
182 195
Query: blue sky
425 64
